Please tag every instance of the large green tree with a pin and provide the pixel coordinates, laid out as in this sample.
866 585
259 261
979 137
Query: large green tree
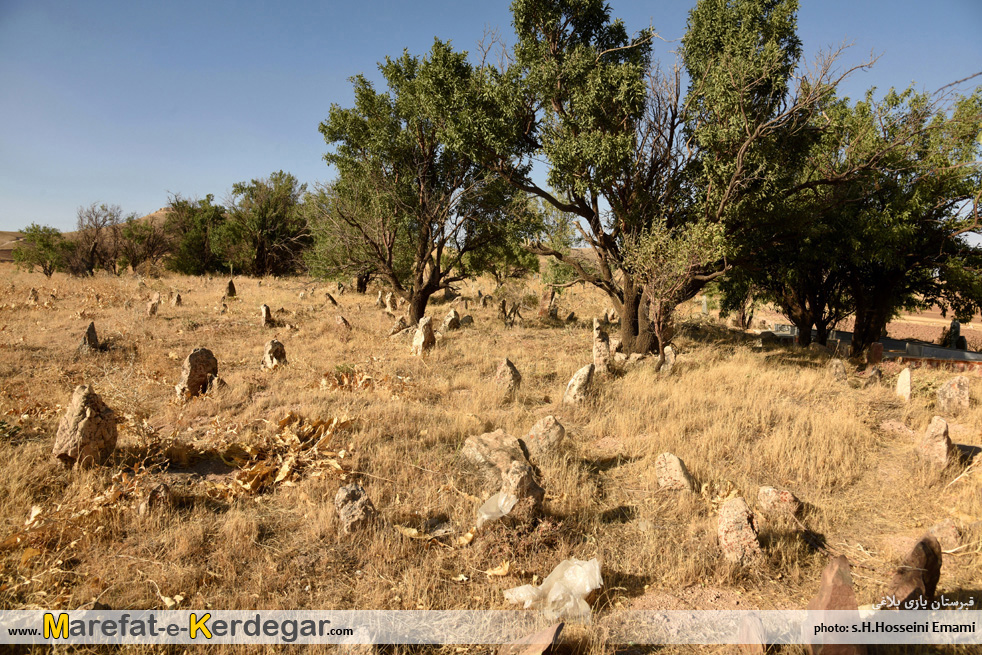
628 151
406 203
265 232
192 226
42 246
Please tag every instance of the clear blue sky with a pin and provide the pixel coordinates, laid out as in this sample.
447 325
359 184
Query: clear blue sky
126 102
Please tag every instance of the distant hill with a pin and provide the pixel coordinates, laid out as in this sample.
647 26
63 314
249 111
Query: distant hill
8 240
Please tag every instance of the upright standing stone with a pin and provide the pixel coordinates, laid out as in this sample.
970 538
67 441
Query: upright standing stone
669 364
355 509
837 368
915 582
331 299
274 354
424 339
32 296
936 445
397 327
601 349
875 353
391 305
903 385
737 532
500 458
266 316
451 322
230 290
545 301
545 438
152 308
89 340
954 332
672 474
87 432
953 395
378 301
874 376
835 594
199 371
342 323
485 301
508 378
176 300
579 386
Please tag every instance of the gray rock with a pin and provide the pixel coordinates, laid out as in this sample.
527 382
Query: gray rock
917 578
936 445
87 432
778 502
502 463
579 387
176 301
737 532
509 379
152 307
397 327
546 438
837 369
424 340
466 320
953 395
354 507
266 317
601 349
669 363
451 322
672 474
274 354
199 372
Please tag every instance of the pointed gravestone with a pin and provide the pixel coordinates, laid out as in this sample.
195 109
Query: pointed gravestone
230 289
737 532
266 316
274 354
601 349
200 370
424 339
87 432
579 386
89 340
903 385
509 379
953 395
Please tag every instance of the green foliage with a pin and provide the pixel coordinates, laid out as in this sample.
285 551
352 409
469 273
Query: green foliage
144 243
407 203
191 226
265 231
42 246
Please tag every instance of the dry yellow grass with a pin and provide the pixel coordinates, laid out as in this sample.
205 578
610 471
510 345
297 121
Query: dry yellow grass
738 418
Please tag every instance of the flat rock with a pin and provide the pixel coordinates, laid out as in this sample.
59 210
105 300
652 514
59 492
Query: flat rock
540 643
87 432
778 502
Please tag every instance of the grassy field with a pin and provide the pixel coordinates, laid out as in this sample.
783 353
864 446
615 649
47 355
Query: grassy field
250 528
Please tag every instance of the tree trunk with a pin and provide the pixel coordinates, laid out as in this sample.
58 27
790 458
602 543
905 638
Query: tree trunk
634 338
361 282
871 320
417 304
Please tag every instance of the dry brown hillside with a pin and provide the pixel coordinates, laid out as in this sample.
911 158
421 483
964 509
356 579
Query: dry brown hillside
247 518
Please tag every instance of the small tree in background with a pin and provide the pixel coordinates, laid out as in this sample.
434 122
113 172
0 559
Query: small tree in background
97 240
42 246
191 226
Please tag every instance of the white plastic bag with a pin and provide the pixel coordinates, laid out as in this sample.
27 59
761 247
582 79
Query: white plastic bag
495 507
563 594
